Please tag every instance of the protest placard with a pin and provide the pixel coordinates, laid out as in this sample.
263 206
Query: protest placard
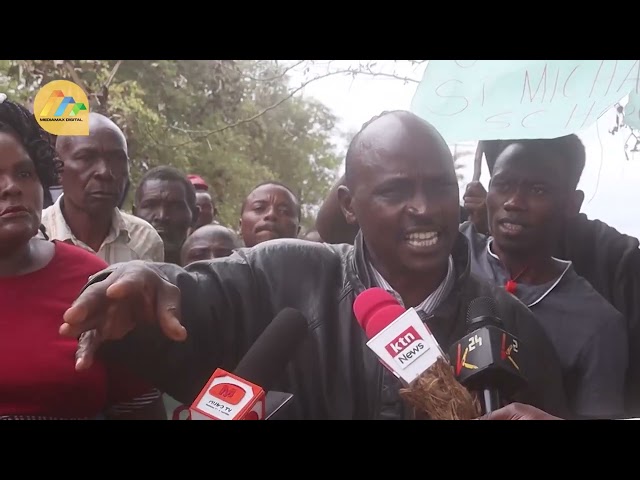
469 100
632 111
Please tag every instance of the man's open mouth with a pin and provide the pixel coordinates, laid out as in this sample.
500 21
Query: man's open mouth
422 239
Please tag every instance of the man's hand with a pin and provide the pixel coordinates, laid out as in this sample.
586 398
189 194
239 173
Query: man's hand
475 202
518 411
132 295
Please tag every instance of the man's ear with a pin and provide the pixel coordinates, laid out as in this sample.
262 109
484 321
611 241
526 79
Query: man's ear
133 210
345 199
298 231
575 203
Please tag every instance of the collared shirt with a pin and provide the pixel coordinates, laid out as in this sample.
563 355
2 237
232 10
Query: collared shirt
392 406
129 238
429 304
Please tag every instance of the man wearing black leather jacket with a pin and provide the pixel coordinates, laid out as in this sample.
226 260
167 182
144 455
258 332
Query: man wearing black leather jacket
176 326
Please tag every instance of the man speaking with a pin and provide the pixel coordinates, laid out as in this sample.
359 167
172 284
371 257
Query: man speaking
176 326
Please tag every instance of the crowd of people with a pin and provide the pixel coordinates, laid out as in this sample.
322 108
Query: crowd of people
111 312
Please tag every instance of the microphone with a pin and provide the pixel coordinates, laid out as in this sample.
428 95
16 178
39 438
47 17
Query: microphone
405 346
241 395
399 338
486 360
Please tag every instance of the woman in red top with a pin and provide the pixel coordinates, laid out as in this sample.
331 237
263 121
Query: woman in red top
39 280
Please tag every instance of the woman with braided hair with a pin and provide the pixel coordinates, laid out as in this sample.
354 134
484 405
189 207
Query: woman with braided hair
39 279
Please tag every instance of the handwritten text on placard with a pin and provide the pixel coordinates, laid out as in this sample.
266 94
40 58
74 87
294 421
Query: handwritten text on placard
470 100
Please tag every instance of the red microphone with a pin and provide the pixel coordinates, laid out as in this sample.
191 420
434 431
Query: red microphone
399 338
243 394
375 309
404 344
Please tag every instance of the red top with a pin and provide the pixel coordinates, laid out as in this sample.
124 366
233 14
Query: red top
37 365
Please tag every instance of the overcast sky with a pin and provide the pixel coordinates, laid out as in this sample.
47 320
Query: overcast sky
610 182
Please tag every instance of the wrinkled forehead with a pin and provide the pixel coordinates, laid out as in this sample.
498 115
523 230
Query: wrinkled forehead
391 147
156 188
380 165
102 138
273 194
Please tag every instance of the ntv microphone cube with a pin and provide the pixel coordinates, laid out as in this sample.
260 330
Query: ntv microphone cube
406 347
488 357
229 397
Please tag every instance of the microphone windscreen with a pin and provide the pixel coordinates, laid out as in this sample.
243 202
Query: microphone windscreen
267 358
375 309
482 307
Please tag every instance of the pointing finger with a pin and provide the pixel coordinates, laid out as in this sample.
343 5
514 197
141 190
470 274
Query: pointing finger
168 311
89 303
87 347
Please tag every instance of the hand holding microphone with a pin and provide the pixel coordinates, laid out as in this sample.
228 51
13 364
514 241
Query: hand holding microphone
518 411
486 360
404 344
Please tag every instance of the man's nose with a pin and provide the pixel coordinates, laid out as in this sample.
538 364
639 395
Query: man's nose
515 201
161 215
419 204
103 170
271 214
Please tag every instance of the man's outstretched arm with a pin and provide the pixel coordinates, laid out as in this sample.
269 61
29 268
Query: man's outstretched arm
171 326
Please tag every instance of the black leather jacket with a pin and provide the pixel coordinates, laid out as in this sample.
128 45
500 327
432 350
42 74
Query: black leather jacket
226 303
610 262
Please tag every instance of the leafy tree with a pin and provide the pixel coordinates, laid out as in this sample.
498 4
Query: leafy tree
236 123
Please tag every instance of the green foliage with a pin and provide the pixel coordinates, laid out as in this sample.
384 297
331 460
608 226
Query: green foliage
232 122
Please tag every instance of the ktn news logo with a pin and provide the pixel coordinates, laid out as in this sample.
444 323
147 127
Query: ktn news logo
62 108
406 347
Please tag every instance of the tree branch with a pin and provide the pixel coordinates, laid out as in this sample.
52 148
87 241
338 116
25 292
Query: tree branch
276 77
205 134
388 75
76 78
112 74
361 70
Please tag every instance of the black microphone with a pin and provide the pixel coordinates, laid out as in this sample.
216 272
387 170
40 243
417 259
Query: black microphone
241 395
486 360
267 358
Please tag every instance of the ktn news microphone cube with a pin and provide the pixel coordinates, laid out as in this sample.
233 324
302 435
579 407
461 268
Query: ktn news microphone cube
488 357
406 347
229 397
